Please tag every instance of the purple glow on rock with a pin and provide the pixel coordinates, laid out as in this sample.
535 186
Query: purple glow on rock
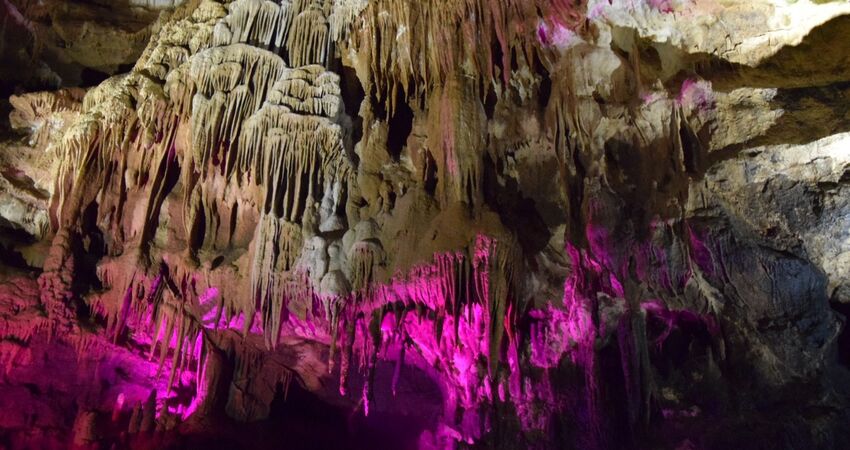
119 406
441 315
553 33
460 350
551 336
678 319
649 98
601 246
665 6
365 399
597 11
699 251
579 289
696 95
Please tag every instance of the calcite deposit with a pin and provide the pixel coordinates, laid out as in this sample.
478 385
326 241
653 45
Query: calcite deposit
423 224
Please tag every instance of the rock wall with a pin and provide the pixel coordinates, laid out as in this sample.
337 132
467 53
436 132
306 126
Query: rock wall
457 224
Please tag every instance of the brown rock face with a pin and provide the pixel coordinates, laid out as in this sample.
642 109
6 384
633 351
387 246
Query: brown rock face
427 224
53 43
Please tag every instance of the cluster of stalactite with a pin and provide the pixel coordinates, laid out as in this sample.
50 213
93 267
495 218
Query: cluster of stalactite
208 114
34 109
415 47
237 127
233 111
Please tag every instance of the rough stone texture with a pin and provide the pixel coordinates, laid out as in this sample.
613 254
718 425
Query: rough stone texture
434 224
48 44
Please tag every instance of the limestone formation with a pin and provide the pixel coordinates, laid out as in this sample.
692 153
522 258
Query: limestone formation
583 224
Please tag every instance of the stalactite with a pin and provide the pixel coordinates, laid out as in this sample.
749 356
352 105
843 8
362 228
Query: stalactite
308 40
456 122
461 289
343 15
278 148
419 45
43 112
495 261
310 90
364 256
233 109
277 249
234 65
253 121
148 413
218 120
301 26
263 22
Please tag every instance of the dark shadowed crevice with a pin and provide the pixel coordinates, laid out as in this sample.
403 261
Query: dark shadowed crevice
352 96
544 91
518 212
842 344
400 125
88 250
490 102
91 77
199 230
12 238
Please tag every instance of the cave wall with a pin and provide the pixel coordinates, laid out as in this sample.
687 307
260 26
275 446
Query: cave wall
440 224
